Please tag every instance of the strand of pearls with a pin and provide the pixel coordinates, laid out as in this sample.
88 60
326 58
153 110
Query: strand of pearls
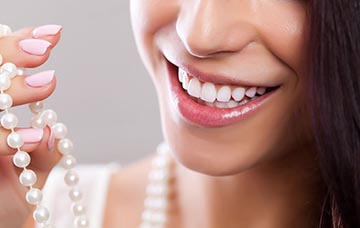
41 118
157 191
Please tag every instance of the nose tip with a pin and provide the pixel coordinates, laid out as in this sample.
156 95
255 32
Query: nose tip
207 31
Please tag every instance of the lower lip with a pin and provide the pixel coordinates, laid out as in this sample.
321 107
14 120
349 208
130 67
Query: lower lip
208 116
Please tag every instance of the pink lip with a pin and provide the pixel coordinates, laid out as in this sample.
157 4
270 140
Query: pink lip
207 116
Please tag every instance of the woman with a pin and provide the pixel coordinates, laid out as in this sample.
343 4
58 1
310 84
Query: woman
259 103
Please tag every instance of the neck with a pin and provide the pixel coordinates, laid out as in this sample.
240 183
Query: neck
282 193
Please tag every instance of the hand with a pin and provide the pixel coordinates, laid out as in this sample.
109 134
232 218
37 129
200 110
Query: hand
14 209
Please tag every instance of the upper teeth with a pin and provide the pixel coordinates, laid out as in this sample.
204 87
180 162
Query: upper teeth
211 93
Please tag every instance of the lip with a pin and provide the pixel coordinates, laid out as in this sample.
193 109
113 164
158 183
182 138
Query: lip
205 116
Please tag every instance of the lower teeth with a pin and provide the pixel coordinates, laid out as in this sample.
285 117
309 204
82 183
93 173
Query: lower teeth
229 104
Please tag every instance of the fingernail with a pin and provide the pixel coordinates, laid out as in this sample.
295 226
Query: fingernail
40 79
31 135
34 46
51 141
46 30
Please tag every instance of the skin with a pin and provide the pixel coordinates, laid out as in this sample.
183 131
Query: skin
258 172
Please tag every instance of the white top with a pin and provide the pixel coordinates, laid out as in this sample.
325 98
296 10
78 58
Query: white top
94 183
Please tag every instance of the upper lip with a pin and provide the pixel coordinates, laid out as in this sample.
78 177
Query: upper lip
216 78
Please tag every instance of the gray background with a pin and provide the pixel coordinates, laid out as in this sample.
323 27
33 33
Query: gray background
104 94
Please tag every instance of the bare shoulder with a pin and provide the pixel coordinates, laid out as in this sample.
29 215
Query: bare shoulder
126 194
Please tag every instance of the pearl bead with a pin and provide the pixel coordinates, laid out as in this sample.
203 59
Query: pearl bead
163 149
21 159
153 217
49 116
5 81
161 162
156 203
5 30
38 122
157 189
15 140
34 196
71 178
159 175
5 101
59 130
41 214
21 71
68 162
47 226
75 195
65 146
81 222
78 209
9 121
28 177
9 69
37 106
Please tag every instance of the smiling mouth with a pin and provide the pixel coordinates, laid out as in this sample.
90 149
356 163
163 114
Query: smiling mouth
219 96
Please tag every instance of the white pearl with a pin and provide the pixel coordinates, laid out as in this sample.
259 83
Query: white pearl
34 196
78 209
5 30
59 130
28 177
68 162
161 161
163 149
10 69
47 226
15 140
157 189
156 203
154 217
71 178
41 214
38 122
21 159
5 101
21 71
5 81
81 222
9 121
65 146
37 106
159 175
75 195
49 116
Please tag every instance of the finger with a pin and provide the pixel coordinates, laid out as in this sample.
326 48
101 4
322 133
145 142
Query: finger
23 50
32 88
31 137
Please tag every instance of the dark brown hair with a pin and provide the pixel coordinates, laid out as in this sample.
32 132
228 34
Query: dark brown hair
334 70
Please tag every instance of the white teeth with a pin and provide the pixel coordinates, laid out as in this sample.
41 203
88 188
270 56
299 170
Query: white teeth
181 75
210 104
244 101
251 92
232 104
185 83
238 93
224 94
194 88
208 92
261 90
219 104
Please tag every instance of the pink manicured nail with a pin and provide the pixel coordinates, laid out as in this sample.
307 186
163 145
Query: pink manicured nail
35 46
46 30
31 135
40 79
51 141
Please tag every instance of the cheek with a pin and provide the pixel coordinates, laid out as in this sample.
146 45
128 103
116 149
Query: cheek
284 29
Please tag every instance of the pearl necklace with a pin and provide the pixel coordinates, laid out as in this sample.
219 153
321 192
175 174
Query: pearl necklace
156 201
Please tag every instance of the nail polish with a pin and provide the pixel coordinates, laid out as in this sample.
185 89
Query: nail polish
46 30
34 46
40 79
31 135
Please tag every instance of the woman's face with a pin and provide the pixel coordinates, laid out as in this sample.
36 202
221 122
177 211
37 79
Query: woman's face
221 50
